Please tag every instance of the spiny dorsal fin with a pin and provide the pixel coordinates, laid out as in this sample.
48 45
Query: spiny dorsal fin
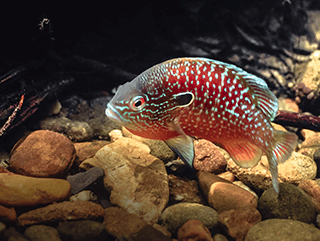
267 101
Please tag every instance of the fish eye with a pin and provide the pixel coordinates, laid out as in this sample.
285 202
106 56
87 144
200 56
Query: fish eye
137 102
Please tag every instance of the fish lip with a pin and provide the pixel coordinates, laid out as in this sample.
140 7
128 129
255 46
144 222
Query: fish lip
112 113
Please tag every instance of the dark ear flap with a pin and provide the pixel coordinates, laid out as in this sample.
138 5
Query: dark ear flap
184 99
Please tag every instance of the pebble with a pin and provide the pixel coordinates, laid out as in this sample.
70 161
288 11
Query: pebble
237 222
184 190
245 187
86 150
227 176
42 154
312 188
7 214
194 230
148 233
292 203
121 223
311 143
223 195
75 130
83 230
85 195
58 212
130 173
283 229
208 157
219 237
175 216
2 228
11 234
83 180
17 190
42 233
115 135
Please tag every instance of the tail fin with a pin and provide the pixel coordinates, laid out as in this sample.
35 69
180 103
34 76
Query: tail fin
284 143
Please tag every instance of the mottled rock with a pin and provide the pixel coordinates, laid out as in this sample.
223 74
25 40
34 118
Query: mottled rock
238 222
83 180
130 175
11 234
312 188
282 229
84 230
158 148
7 214
184 190
75 130
223 195
58 212
175 216
297 168
86 150
208 157
43 154
121 223
17 190
194 230
148 233
292 203
42 233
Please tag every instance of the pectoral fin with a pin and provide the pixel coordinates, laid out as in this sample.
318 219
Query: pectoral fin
183 146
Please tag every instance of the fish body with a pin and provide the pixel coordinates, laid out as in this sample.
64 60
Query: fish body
206 99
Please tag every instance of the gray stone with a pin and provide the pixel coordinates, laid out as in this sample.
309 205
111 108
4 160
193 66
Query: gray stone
85 230
175 216
282 229
292 203
42 233
83 180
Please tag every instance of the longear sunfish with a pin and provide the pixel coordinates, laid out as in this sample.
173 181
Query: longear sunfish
206 99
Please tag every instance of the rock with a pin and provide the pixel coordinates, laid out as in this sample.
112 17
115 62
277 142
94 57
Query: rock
85 195
311 143
83 180
219 237
42 233
43 154
223 195
282 229
84 230
238 222
312 188
4 170
7 214
17 190
75 130
288 105
121 223
130 175
297 168
291 203
158 148
184 190
245 187
162 230
194 230
58 212
148 233
86 150
115 135
208 157
227 176
11 234
175 216
2 228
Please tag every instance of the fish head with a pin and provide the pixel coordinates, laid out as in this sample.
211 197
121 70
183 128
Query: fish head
145 105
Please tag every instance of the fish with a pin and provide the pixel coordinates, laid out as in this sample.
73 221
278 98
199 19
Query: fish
207 99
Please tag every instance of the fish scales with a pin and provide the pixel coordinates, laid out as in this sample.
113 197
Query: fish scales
206 99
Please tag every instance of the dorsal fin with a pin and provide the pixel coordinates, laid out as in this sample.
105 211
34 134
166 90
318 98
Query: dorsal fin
267 101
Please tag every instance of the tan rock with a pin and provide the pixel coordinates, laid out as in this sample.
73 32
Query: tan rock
85 150
223 195
116 219
62 211
43 154
227 175
17 190
194 230
311 143
312 188
137 181
237 222
208 157
7 214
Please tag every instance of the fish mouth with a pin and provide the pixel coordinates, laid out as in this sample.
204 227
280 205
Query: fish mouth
113 114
